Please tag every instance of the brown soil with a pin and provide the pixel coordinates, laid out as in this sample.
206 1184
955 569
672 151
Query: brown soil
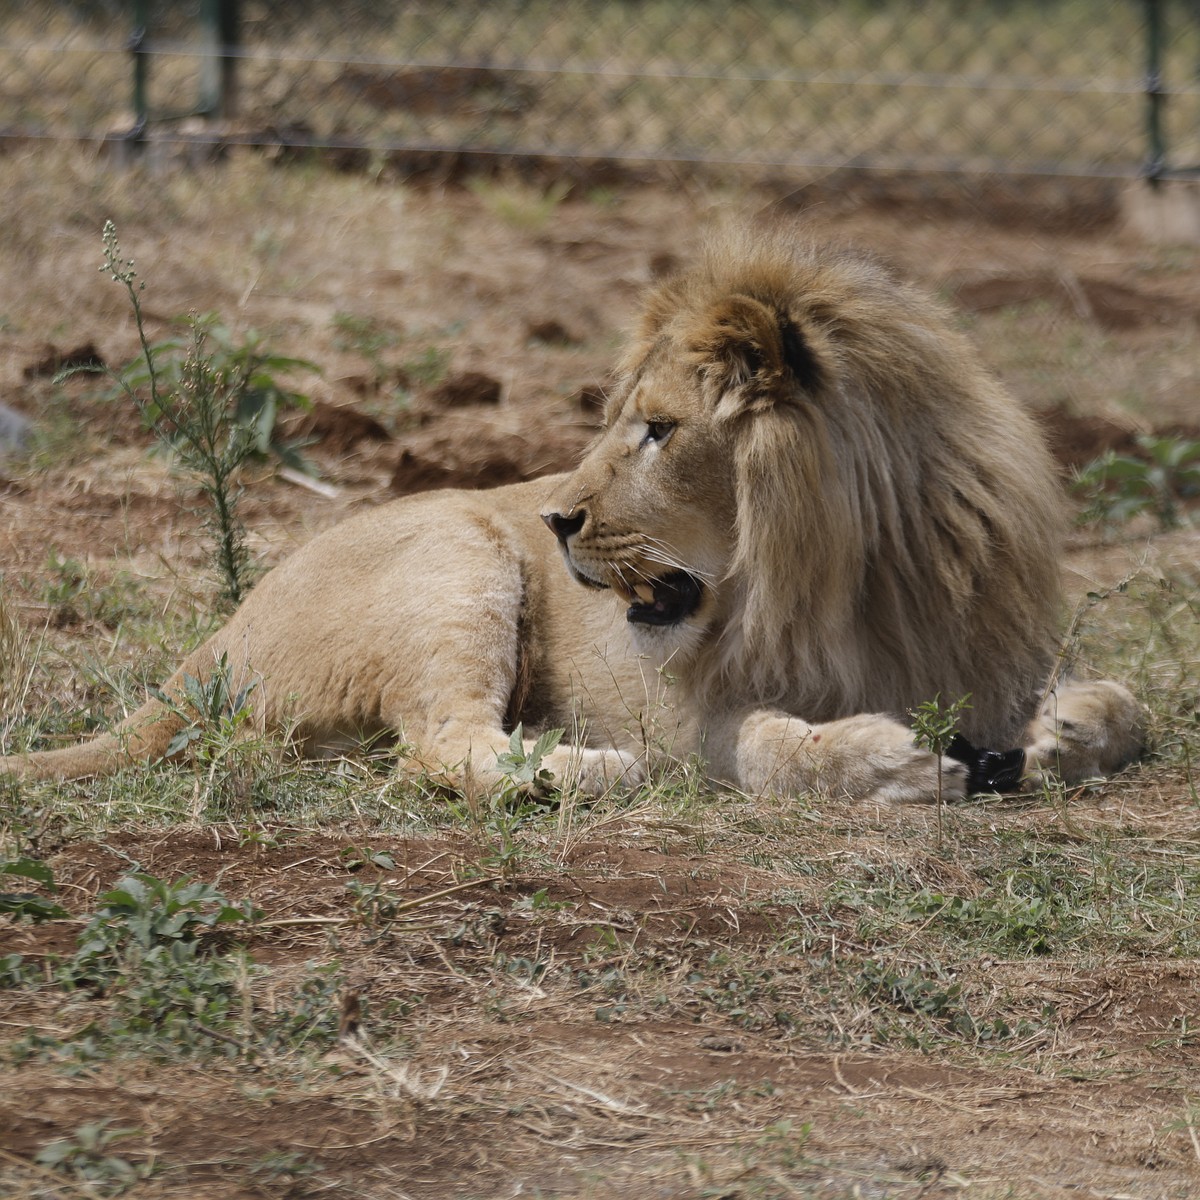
545 1087
519 1086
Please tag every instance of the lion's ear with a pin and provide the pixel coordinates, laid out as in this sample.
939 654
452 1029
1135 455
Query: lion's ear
756 349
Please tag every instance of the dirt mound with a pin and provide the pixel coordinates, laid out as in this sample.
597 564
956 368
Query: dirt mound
479 448
51 360
1103 302
338 427
460 391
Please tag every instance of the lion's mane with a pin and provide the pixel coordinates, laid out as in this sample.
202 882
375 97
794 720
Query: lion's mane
898 515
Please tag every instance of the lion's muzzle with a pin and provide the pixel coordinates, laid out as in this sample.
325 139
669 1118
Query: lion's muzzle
662 600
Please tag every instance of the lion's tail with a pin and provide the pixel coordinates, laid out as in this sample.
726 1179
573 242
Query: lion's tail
142 737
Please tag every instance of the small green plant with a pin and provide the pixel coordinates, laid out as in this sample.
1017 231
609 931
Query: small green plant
375 908
29 904
310 1014
14 972
256 838
73 593
922 990
86 1156
216 731
1003 916
1118 487
369 338
784 1141
603 946
145 919
214 712
935 726
283 1166
428 367
143 949
245 374
522 769
519 801
354 858
539 902
214 402
522 205
68 581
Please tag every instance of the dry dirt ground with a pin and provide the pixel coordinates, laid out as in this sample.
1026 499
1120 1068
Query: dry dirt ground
676 997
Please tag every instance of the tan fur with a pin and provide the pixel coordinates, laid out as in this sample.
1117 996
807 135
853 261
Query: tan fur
878 520
418 618
873 521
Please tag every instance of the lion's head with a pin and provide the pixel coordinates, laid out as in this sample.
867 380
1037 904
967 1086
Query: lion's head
811 494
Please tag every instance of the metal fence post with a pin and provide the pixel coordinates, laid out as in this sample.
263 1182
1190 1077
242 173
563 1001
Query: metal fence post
141 70
218 89
1155 93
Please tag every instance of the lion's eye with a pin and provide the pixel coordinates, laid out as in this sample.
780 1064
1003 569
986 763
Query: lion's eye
657 431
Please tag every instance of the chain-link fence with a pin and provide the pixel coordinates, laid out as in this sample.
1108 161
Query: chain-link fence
1085 87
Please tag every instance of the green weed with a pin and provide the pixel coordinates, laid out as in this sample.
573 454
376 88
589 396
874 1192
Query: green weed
86 1156
368 337
539 902
74 593
428 367
27 904
354 858
922 990
244 375
283 1166
515 806
377 344
1118 487
144 920
935 726
783 1141
521 205
214 713
308 1016
148 951
375 908
214 402
217 730
143 949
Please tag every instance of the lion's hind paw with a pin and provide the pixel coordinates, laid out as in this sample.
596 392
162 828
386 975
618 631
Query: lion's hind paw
1084 731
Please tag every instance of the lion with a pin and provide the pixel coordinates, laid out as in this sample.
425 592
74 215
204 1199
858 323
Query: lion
810 510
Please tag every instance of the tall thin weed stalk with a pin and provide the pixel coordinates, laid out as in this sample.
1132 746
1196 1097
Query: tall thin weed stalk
194 421
17 655
215 408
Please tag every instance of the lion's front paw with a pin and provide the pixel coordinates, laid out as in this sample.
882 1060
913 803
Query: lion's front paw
596 773
590 773
901 772
866 757
912 778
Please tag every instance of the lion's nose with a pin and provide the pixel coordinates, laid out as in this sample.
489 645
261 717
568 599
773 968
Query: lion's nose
562 525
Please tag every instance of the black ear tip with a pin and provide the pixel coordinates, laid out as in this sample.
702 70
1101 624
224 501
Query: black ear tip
798 355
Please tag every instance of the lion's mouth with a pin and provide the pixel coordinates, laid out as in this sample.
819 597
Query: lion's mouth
665 601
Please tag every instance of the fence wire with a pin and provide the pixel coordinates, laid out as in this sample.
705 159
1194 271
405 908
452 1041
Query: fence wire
1066 87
